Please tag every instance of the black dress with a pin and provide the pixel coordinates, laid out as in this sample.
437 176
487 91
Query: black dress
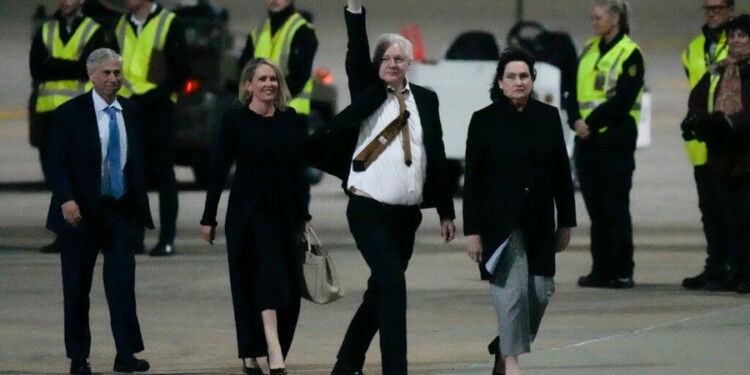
267 205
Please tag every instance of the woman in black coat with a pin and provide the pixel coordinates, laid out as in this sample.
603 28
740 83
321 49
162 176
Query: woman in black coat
719 114
517 174
268 207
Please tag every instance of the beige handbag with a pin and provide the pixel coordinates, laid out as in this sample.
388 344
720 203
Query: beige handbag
319 280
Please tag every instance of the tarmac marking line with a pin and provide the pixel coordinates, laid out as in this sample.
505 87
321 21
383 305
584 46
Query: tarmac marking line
647 329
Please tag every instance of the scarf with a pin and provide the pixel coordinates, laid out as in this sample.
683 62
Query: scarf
729 98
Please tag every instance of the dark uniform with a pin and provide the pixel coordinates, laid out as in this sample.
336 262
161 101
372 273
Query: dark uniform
605 161
707 49
155 67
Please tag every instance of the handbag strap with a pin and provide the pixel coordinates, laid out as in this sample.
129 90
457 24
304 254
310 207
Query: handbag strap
310 231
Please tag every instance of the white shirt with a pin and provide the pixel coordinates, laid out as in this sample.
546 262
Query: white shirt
102 122
388 179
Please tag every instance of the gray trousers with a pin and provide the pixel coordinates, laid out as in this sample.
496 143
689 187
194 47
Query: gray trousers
519 300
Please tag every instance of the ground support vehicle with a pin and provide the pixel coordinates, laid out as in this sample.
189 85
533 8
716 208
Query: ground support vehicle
462 81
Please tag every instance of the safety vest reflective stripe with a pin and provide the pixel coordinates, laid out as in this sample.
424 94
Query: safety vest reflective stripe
598 75
278 48
52 94
56 88
696 59
137 52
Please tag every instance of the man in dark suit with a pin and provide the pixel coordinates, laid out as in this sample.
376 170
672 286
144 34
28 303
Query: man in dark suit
388 150
99 203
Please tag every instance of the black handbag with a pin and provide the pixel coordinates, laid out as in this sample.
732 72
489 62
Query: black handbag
319 280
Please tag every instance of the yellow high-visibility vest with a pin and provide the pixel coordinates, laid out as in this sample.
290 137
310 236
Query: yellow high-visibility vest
138 51
696 60
278 48
54 93
598 75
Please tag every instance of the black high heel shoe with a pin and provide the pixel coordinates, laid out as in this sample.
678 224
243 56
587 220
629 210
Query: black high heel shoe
494 348
278 371
251 370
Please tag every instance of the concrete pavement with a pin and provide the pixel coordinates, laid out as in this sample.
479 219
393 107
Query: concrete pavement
186 316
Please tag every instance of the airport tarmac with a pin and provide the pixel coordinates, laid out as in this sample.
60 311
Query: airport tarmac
184 302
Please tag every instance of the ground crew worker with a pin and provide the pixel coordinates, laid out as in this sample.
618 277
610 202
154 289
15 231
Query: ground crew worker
604 111
155 68
58 68
703 52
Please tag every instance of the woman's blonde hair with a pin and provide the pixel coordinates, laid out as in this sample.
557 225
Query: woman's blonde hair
281 101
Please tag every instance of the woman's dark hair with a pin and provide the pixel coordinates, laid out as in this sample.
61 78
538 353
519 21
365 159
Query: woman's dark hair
508 55
741 22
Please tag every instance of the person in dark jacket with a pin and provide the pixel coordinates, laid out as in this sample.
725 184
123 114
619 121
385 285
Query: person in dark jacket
99 203
267 209
517 176
387 183
719 115
705 52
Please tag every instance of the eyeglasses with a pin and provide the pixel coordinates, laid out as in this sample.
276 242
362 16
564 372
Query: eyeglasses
714 8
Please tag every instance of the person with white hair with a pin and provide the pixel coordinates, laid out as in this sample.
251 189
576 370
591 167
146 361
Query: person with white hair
95 169
388 150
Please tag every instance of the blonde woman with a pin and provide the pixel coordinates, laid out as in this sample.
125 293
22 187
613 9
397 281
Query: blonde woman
268 206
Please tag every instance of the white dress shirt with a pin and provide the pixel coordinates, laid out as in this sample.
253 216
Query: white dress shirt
102 121
388 179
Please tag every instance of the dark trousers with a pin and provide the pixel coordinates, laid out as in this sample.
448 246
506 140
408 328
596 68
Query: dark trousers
115 234
38 137
711 198
605 174
385 236
159 165
736 193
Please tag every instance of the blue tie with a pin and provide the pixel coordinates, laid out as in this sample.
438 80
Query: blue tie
113 181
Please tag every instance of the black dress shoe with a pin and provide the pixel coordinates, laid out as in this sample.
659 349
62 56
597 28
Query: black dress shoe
743 288
343 370
50 249
699 281
621 283
494 349
162 250
592 281
278 371
80 367
140 250
131 364
727 284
